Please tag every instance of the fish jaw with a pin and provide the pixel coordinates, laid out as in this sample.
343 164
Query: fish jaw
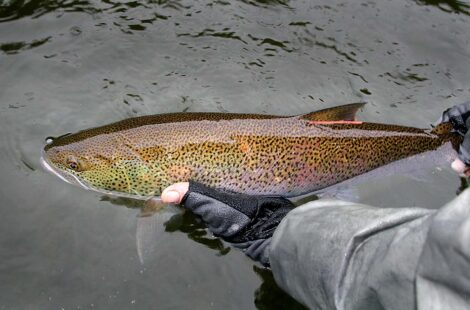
62 174
74 180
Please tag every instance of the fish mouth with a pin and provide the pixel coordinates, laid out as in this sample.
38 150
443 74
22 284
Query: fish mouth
63 175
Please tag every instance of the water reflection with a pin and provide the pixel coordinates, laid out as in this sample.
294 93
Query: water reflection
135 16
11 48
212 33
196 230
463 185
15 9
184 222
172 4
125 202
450 6
266 2
269 296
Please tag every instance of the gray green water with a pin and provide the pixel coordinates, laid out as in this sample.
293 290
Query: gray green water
67 65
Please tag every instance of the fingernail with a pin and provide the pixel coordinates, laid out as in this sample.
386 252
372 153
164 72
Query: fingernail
172 197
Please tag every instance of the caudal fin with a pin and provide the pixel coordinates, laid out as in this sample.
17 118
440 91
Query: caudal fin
445 131
442 129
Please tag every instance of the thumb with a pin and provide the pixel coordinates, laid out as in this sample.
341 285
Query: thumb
174 193
460 167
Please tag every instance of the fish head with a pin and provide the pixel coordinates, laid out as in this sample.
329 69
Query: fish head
99 165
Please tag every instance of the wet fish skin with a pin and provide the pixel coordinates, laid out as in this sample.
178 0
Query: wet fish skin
253 154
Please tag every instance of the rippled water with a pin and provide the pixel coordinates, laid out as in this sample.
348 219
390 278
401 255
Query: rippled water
68 65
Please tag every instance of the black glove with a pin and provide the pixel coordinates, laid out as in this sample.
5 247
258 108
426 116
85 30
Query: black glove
459 117
248 222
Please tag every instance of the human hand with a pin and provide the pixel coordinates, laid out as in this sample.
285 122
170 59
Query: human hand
247 222
175 193
459 117
461 168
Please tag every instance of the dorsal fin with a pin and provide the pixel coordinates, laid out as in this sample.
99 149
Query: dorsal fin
345 112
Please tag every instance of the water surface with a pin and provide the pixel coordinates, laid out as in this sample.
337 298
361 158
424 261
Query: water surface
69 65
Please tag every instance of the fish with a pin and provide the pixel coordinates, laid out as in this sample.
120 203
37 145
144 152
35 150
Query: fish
254 154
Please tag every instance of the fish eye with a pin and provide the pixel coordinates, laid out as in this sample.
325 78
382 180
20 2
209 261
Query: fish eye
73 164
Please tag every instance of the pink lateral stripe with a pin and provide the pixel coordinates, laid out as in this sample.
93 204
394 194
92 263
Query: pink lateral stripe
335 122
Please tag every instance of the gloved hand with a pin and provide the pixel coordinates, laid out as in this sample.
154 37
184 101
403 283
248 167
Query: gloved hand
459 117
247 222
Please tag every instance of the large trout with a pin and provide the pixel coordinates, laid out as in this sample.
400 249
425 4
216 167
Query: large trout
253 154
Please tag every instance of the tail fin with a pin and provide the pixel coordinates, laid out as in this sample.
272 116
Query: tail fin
442 129
445 131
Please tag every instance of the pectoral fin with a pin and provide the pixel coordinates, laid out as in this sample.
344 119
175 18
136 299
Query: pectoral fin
345 112
150 232
152 206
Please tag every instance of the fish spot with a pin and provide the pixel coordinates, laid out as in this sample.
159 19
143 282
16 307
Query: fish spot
244 147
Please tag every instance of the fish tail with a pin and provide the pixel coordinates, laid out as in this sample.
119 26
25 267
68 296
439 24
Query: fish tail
446 132
442 129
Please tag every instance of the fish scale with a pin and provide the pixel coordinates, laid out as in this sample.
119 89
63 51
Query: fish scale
249 153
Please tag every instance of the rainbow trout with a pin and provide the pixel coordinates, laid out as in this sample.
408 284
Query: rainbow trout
248 153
